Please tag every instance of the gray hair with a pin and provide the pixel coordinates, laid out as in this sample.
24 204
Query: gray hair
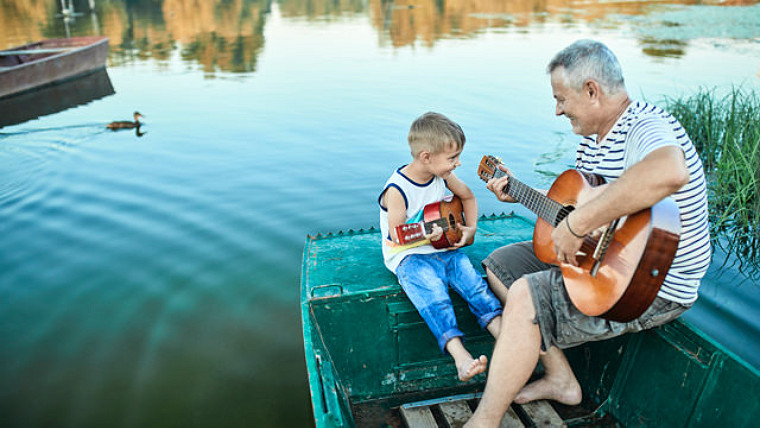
589 59
435 132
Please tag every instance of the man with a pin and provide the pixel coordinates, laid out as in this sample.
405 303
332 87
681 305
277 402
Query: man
645 156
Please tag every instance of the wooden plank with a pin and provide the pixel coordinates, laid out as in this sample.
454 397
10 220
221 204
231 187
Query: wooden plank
418 417
511 420
455 413
542 414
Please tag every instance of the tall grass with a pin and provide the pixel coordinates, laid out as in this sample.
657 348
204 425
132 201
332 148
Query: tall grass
726 131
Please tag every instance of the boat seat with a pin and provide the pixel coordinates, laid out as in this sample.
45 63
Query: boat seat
451 412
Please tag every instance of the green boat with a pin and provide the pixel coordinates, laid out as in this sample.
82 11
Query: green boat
372 361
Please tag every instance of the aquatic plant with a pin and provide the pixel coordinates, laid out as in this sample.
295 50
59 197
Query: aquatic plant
726 131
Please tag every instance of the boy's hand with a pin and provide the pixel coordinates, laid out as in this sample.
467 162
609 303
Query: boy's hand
435 234
468 235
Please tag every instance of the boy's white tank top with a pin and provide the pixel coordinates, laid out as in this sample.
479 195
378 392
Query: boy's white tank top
416 196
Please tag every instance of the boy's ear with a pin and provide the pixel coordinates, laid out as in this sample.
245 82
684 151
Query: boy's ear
423 155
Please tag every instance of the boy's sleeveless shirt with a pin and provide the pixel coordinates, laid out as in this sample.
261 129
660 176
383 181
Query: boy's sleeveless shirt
416 196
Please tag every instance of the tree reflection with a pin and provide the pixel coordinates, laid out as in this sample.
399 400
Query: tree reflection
227 35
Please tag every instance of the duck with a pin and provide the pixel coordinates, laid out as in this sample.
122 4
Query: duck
125 124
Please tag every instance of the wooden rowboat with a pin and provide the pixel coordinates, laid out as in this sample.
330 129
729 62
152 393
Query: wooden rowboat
49 61
372 362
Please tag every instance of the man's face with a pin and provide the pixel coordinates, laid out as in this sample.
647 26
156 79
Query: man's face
574 104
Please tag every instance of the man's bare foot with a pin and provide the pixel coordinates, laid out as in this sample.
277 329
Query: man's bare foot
472 367
564 391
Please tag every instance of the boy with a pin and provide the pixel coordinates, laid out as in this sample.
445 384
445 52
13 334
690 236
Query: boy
424 272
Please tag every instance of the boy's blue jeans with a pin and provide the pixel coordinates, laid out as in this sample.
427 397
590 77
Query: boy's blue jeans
426 278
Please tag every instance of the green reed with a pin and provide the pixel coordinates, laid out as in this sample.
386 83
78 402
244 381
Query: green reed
726 131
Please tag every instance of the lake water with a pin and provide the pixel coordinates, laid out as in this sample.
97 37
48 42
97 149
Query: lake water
154 279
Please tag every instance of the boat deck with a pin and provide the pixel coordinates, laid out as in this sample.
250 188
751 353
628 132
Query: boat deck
454 412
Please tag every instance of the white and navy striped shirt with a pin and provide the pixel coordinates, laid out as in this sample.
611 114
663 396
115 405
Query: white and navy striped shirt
640 130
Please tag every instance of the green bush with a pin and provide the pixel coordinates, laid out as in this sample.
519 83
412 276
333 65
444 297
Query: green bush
726 131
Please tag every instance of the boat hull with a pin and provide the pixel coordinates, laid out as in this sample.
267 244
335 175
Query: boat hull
21 72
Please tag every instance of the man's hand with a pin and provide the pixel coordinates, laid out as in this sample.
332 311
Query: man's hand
566 243
497 186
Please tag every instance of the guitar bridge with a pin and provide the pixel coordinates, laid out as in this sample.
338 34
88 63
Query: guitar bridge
601 247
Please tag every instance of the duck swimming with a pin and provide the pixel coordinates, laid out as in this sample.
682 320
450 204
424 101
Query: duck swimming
125 124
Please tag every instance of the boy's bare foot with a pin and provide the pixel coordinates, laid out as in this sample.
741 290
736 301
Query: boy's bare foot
472 367
564 391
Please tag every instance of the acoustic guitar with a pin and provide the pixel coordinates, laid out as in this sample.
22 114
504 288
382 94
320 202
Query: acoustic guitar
446 214
621 269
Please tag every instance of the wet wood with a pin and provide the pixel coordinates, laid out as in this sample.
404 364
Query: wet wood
511 420
455 413
543 414
418 417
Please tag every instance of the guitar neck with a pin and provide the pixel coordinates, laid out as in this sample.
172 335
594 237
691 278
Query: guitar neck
532 199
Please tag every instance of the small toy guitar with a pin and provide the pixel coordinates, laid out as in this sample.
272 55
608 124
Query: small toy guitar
446 214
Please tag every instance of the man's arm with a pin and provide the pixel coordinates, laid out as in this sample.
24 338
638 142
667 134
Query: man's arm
660 174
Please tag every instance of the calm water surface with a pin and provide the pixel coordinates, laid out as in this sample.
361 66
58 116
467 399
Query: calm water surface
154 280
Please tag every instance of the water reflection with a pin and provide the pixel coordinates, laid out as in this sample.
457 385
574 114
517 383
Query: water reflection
228 35
55 98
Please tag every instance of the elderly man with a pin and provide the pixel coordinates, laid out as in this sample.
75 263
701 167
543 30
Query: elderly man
645 155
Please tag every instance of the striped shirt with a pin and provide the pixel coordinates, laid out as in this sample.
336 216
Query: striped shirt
640 130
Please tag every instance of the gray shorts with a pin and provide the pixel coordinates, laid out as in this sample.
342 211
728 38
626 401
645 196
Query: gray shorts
560 323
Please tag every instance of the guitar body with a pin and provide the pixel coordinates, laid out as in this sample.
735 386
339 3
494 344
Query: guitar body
618 278
636 261
449 210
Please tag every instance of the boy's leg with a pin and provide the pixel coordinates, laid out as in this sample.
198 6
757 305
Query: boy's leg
470 284
494 327
467 366
421 278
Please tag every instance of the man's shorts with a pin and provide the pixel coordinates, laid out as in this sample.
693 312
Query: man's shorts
560 322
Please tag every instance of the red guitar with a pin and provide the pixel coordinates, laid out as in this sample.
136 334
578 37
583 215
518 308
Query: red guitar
619 272
446 214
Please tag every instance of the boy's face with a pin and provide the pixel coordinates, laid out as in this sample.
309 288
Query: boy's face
446 161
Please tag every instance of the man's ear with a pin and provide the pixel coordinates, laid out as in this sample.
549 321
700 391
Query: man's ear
591 89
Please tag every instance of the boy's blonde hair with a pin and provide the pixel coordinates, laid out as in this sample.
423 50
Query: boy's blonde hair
434 132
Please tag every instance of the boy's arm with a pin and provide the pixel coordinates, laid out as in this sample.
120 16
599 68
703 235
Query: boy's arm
394 203
470 206
396 206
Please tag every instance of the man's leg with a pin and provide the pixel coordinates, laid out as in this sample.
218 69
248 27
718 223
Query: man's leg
559 382
498 288
514 358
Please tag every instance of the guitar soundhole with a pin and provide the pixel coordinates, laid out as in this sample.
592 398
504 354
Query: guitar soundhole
564 212
452 222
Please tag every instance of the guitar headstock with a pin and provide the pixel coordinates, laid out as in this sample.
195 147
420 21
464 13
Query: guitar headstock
410 232
488 167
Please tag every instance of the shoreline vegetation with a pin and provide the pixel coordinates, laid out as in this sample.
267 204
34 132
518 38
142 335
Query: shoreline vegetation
725 129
